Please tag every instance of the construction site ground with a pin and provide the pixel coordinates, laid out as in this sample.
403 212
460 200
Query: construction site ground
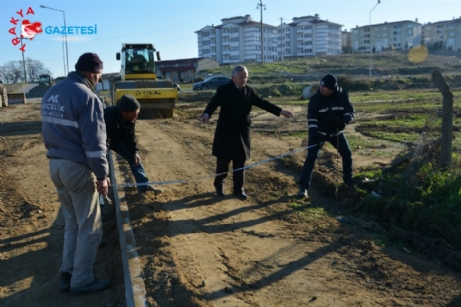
198 249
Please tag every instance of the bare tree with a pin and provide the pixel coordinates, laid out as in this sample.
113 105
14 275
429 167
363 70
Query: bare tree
35 68
13 71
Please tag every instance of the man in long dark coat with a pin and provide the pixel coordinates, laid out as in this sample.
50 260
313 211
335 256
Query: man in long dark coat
232 136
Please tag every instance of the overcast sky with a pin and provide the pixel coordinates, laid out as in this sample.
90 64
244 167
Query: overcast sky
170 25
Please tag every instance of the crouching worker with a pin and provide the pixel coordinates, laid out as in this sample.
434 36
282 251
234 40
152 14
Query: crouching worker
328 113
121 138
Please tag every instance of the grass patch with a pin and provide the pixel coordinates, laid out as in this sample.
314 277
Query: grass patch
370 146
420 197
314 212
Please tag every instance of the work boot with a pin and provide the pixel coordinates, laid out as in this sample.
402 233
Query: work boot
350 183
96 285
64 281
240 193
302 193
149 188
219 189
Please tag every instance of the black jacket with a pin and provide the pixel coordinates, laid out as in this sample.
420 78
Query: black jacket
232 136
119 131
323 113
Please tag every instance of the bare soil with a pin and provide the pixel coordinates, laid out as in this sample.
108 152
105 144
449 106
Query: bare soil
197 249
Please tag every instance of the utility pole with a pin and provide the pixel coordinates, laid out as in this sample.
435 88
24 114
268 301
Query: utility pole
379 1
23 61
281 36
65 38
260 6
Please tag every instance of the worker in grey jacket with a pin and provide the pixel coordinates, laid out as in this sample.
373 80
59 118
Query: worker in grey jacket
74 134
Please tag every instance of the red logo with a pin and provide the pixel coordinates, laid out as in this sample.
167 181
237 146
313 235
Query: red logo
28 29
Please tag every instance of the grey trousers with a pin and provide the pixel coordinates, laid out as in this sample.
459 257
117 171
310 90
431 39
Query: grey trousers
77 193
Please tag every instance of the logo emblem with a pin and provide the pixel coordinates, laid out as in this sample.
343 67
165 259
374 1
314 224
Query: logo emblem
28 29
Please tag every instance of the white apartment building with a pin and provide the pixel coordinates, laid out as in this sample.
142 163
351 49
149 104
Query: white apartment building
309 36
237 40
442 35
400 35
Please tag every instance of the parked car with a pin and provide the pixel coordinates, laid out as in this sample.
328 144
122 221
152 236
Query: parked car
211 83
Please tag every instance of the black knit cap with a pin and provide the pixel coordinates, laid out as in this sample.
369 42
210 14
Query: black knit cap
89 62
330 82
128 103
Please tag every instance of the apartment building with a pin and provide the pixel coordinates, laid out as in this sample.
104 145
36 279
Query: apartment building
400 35
238 39
442 35
308 36
346 41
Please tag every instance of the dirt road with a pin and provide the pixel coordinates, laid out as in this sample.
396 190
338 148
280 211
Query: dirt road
197 249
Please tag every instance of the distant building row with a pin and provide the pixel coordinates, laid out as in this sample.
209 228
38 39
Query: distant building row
402 35
238 39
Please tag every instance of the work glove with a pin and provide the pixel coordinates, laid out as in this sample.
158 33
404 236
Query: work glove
340 126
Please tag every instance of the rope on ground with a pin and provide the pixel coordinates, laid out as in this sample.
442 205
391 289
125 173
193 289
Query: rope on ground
214 175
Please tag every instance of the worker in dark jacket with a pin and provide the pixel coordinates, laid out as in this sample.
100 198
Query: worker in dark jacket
232 136
328 113
121 138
